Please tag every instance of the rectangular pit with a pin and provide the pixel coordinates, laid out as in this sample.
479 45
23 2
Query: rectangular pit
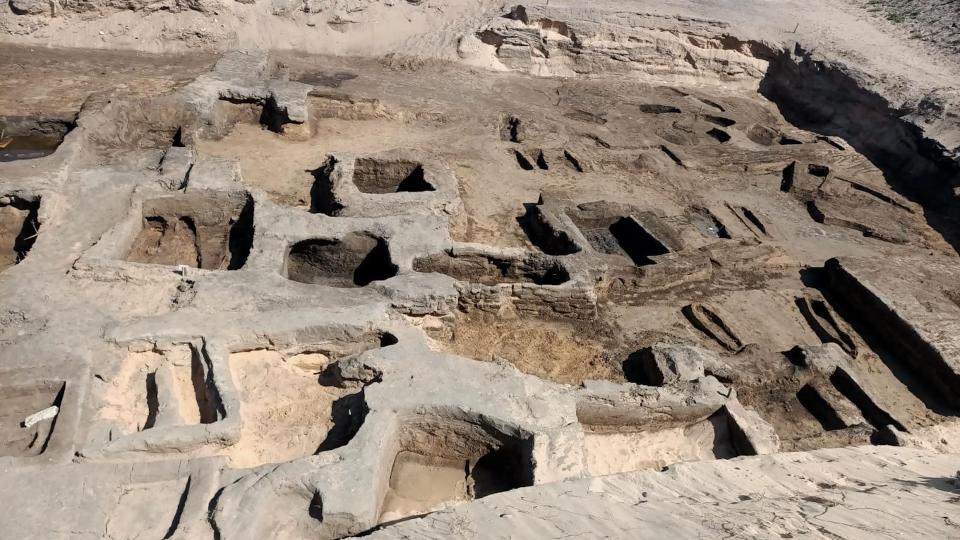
382 176
30 138
286 413
621 235
623 450
442 461
211 231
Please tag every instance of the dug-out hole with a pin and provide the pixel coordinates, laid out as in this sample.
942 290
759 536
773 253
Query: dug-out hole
442 461
208 231
162 389
30 138
356 260
380 176
543 234
707 223
19 402
19 226
491 270
621 236
618 449
286 410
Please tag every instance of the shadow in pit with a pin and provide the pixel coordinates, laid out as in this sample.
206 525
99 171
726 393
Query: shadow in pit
322 198
348 415
816 278
816 97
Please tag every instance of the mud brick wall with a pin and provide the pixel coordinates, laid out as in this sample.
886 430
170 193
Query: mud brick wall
531 300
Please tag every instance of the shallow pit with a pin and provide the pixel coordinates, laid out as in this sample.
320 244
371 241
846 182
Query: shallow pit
228 112
30 138
443 461
381 176
492 270
623 450
706 223
356 260
286 412
19 402
19 227
208 231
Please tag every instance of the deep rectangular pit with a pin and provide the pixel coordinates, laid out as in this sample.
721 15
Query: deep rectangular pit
356 260
543 234
19 402
820 408
381 176
19 227
621 236
616 450
492 270
442 461
208 231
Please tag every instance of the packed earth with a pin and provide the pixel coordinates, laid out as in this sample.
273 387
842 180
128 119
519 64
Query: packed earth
471 269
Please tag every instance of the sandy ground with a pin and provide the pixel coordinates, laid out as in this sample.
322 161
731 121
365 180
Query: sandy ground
35 83
612 453
419 485
128 399
286 413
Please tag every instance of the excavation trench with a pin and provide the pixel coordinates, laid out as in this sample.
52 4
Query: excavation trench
913 165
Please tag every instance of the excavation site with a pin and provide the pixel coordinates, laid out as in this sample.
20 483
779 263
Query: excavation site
457 269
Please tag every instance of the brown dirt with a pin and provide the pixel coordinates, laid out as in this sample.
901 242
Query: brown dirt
566 353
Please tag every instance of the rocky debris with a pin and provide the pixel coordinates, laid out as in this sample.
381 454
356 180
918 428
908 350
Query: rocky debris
665 364
550 41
